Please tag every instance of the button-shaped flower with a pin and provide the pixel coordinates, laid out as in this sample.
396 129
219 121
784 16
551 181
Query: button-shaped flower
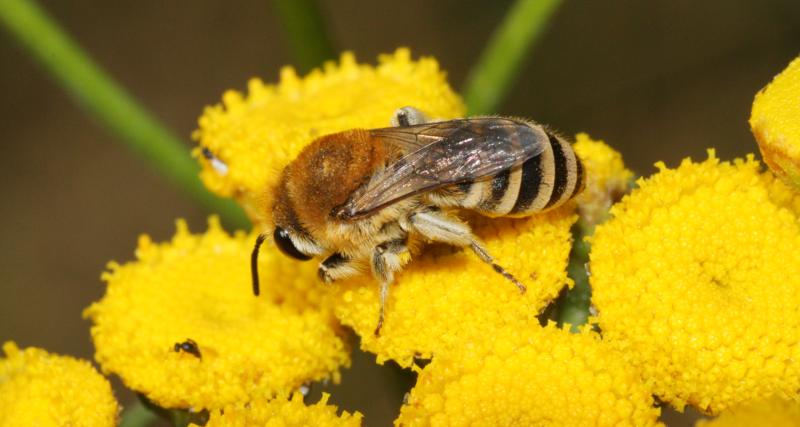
697 281
42 389
536 376
775 121
180 324
250 138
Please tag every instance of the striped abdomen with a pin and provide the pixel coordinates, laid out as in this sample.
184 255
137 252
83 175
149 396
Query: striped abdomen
542 182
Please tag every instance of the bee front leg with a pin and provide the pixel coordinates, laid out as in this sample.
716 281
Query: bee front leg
386 259
440 227
335 267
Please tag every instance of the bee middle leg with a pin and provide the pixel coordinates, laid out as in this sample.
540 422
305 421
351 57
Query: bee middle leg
386 259
440 227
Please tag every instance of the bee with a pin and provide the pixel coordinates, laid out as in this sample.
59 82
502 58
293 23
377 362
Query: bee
362 200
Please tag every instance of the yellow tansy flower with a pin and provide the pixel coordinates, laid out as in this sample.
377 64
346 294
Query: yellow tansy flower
283 412
607 178
775 121
42 389
256 135
535 376
771 412
197 287
447 298
697 281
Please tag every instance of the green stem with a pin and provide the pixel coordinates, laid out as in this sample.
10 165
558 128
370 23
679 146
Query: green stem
137 415
305 28
103 98
500 62
574 307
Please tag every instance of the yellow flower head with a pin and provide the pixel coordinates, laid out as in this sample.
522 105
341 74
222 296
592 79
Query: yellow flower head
775 121
447 299
181 325
535 376
697 281
255 136
607 178
770 412
42 389
282 412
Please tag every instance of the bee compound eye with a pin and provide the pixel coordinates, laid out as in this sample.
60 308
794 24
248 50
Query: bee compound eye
286 245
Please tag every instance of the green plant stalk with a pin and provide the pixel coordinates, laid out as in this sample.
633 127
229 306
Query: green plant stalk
137 415
106 100
574 306
305 29
496 70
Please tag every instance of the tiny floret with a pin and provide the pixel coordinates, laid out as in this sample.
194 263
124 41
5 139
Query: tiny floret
607 179
696 278
42 389
283 412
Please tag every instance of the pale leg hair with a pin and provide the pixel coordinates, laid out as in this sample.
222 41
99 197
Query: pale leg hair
408 116
386 260
441 227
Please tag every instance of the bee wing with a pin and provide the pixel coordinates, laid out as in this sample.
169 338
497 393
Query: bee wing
445 153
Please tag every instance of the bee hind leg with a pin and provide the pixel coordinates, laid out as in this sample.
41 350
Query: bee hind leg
408 116
386 259
440 227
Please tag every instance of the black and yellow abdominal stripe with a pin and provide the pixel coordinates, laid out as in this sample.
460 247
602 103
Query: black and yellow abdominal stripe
542 182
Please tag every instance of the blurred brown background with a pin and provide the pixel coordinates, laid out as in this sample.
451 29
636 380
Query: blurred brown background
658 80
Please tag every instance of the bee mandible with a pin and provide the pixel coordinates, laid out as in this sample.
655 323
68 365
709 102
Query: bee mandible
361 200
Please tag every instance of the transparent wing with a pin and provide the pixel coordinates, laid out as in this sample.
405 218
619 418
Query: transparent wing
445 153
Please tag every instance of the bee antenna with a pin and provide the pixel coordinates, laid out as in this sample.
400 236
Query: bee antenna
254 262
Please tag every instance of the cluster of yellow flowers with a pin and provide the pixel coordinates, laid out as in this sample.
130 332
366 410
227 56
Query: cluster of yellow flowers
694 274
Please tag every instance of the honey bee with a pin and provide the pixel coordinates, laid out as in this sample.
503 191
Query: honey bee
362 200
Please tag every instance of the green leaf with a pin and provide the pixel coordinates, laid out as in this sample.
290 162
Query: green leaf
106 100
496 70
305 28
